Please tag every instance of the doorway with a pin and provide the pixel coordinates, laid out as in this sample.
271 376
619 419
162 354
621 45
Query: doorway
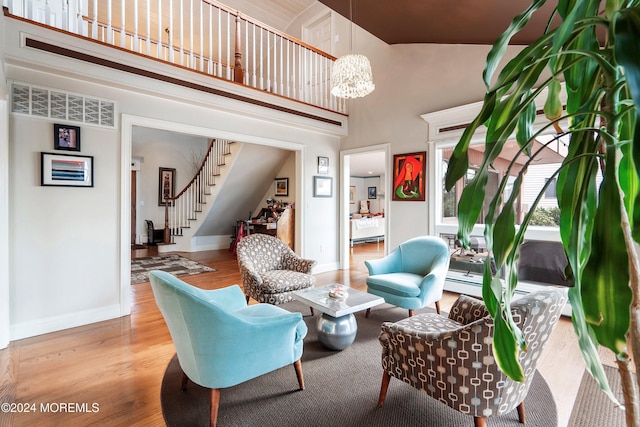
368 168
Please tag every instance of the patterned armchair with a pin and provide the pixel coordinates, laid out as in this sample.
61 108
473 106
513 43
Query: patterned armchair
451 359
271 270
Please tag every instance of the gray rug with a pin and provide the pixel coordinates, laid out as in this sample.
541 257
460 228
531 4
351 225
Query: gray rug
593 408
341 389
171 263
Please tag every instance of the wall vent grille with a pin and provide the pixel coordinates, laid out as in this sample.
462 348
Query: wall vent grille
50 103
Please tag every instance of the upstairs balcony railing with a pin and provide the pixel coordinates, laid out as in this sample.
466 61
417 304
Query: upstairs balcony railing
202 35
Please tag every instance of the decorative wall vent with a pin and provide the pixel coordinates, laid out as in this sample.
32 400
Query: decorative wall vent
49 103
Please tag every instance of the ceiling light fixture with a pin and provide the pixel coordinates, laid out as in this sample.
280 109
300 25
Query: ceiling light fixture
351 76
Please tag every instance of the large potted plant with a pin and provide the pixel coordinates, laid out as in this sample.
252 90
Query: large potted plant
596 53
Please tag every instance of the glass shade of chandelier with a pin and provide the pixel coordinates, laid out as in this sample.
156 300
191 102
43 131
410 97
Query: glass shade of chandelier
351 76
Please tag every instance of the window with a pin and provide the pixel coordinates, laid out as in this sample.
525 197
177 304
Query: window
551 189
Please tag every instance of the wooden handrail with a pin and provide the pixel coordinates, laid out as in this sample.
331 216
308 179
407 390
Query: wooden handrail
197 174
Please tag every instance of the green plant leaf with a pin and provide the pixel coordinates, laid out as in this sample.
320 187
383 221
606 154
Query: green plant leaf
459 161
500 46
606 293
505 349
626 29
524 125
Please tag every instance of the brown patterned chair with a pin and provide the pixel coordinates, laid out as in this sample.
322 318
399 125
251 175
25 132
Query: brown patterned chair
451 359
271 270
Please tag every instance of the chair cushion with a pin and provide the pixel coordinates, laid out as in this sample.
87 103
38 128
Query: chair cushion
277 281
401 284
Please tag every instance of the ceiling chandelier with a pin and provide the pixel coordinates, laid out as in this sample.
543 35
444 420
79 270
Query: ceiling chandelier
351 76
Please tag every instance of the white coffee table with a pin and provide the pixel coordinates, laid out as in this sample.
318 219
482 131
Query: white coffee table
337 325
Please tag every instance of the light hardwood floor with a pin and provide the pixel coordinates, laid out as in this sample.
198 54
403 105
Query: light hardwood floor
118 364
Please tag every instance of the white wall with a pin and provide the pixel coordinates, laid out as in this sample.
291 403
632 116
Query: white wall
288 170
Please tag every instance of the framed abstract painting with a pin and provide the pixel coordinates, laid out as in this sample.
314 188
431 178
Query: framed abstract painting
409 171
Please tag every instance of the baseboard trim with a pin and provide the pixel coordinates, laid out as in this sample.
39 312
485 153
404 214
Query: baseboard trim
66 321
323 268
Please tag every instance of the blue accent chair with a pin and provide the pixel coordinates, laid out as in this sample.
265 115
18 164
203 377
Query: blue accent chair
412 276
220 340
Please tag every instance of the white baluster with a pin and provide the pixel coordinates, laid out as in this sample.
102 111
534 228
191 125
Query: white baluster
288 76
123 14
281 66
219 43
159 53
261 60
269 85
135 25
229 45
109 24
192 65
170 33
181 62
211 64
246 53
148 28
253 51
201 52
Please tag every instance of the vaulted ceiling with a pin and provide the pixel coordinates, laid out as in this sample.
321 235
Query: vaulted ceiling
413 21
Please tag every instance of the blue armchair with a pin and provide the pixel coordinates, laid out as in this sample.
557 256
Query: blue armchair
412 275
220 340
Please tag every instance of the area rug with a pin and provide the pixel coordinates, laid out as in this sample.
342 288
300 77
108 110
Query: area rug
593 408
171 263
341 389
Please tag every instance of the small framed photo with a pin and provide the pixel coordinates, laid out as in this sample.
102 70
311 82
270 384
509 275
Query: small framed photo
166 185
66 137
66 170
352 194
322 186
323 165
372 192
281 187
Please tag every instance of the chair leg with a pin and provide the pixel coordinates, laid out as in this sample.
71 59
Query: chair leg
411 313
185 381
367 312
383 388
298 365
480 421
438 307
521 416
312 311
215 404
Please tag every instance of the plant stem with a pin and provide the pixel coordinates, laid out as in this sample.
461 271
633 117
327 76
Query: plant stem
630 393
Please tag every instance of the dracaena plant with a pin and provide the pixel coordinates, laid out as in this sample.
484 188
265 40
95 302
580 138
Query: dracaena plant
595 52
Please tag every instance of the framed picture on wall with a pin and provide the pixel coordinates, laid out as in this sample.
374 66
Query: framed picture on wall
66 170
322 186
281 187
352 194
323 165
66 137
409 171
166 185
372 192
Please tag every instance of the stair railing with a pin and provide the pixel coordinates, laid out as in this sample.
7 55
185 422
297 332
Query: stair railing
183 208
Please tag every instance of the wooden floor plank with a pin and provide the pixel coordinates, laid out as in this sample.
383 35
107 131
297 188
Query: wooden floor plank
119 364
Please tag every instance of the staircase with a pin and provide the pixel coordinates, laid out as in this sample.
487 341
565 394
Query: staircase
189 204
